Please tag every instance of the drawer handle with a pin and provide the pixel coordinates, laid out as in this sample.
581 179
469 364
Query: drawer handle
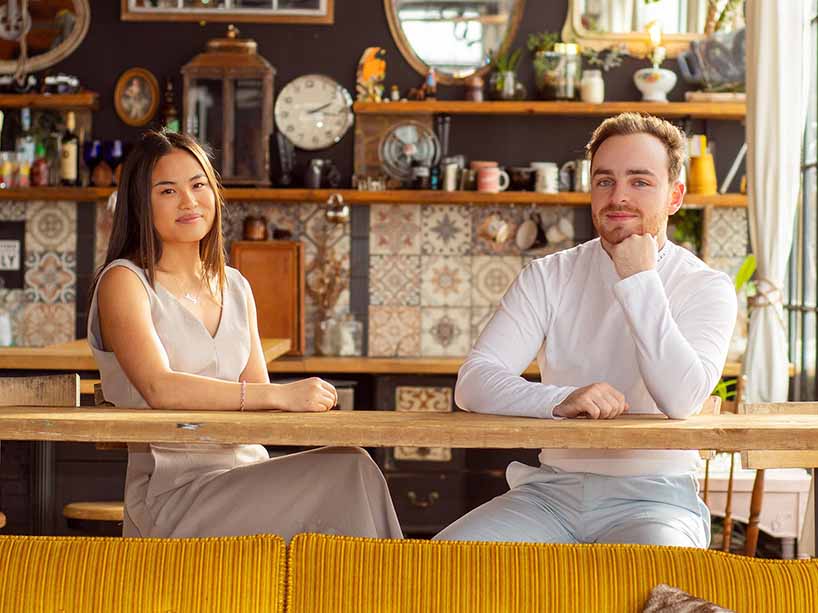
422 504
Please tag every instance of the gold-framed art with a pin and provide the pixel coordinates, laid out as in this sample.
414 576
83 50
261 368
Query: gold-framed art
136 97
322 13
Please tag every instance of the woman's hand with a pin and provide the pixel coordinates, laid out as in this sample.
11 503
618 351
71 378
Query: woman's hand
306 396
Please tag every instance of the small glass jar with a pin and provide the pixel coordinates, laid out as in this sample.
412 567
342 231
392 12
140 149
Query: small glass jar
350 336
592 87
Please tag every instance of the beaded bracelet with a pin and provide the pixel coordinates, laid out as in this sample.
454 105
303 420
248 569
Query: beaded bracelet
243 395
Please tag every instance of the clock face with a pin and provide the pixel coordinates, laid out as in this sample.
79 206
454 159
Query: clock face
313 111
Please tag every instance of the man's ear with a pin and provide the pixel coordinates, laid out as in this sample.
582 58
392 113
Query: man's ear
677 194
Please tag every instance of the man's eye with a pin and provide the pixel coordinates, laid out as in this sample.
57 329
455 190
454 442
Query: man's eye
604 182
641 183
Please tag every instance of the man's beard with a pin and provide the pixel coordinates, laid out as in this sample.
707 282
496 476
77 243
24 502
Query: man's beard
619 232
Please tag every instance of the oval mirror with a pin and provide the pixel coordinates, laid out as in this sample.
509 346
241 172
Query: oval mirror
49 30
454 38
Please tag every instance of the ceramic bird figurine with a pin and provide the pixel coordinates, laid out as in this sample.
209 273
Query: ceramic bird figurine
371 74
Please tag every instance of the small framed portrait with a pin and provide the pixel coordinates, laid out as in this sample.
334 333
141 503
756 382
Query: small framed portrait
136 97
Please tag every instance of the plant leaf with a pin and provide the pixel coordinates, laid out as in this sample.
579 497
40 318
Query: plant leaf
745 273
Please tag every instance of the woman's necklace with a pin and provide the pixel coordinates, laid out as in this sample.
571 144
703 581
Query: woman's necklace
186 293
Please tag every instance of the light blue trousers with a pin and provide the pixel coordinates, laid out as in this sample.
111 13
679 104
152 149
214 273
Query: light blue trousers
547 506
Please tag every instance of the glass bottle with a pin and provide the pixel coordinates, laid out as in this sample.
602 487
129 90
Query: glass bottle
39 169
69 152
25 142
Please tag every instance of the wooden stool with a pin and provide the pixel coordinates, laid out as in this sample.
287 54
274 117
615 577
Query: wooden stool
97 511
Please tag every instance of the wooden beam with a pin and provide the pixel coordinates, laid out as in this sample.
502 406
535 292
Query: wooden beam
391 428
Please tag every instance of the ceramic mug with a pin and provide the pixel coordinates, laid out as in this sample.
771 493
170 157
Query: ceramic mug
494 228
575 175
476 165
491 180
547 177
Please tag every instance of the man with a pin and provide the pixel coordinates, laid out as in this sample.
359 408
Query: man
628 322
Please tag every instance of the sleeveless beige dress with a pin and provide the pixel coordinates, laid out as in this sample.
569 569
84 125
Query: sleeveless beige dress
186 490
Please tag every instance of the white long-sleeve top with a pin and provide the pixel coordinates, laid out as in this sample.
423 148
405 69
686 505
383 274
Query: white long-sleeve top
660 337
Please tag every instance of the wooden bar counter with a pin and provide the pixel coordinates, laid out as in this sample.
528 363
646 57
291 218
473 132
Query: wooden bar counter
390 428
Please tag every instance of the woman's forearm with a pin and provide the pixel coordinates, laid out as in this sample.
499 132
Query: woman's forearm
182 391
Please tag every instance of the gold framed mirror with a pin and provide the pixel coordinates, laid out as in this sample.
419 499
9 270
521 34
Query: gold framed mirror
454 38
52 32
597 24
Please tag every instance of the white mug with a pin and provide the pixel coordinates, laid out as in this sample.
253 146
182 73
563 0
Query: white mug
547 177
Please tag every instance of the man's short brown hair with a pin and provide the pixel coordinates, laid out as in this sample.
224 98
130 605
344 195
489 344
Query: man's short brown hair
633 123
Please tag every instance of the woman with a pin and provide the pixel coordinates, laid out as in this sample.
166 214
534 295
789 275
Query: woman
172 327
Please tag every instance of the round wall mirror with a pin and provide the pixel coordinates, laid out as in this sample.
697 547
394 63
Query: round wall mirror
454 38
51 29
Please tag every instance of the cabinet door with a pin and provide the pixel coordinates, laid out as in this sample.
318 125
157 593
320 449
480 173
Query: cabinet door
275 270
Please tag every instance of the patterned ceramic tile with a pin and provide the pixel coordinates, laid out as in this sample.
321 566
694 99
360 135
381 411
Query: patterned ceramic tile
423 399
394 331
445 331
394 229
394 280
727 232
480 316
446 280
104 225
486 220
13 301
12 210
51 226
51 276
232 219
46 324
491 277
446 230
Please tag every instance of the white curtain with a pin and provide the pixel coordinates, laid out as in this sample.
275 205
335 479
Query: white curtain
777 95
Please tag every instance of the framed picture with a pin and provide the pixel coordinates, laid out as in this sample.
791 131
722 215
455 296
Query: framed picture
136 97
316 12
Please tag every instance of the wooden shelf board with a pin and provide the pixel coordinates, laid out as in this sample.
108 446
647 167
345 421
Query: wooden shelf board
82 100
351 196
703 110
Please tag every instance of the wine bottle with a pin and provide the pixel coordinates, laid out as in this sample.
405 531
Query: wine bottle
69 152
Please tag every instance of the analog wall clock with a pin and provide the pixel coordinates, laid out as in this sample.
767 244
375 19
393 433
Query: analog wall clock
313 111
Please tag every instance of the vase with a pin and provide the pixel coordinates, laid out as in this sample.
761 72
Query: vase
654 83
504 85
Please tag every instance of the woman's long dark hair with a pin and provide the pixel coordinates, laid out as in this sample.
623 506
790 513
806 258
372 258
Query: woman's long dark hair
134 236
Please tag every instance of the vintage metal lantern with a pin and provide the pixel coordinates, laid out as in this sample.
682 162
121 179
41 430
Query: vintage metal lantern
228 104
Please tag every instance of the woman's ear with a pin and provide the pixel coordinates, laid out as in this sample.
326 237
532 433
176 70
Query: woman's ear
677 194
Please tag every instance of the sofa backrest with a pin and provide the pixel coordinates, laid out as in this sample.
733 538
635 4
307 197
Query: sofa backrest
115 575
341 574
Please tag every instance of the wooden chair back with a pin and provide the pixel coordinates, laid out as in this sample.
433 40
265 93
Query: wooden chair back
40 391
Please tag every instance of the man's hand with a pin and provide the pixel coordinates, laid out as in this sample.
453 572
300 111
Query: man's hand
635 254
597 401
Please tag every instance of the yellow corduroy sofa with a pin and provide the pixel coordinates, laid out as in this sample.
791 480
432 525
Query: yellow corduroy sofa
339 574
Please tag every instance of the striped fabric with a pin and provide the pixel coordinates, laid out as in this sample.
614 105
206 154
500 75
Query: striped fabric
113 575
338 574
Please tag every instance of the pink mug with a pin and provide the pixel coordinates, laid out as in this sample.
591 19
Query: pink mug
492 180
476 165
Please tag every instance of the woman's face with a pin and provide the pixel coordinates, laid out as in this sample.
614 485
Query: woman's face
182 200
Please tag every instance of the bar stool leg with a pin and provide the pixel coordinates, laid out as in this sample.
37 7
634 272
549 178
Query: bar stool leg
755 511
728 508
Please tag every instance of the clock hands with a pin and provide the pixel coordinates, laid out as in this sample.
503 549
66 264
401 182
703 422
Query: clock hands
321 108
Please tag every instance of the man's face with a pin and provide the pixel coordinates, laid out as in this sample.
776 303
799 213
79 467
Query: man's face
630 191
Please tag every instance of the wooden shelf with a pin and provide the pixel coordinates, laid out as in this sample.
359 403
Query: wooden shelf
351 196
57 102
701 110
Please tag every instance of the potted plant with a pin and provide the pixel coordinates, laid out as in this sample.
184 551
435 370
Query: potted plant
503 83
592 87
544 60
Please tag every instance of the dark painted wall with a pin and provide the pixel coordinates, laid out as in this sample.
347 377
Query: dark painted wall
112 46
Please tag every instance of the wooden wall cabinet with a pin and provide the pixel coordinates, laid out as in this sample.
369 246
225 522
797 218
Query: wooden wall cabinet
275 270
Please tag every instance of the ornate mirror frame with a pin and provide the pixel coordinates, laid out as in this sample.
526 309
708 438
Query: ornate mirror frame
638 43
421 67
39 62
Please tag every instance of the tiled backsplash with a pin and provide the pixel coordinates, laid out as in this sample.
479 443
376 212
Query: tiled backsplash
44 311
432 280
